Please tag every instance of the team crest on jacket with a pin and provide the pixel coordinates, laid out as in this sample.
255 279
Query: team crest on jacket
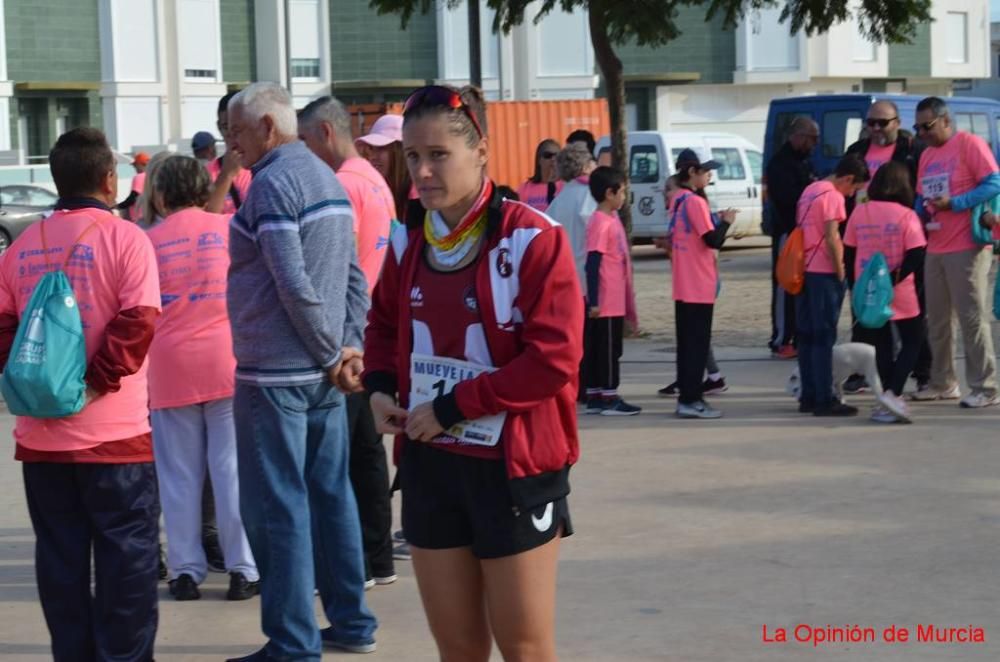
504 266
469 299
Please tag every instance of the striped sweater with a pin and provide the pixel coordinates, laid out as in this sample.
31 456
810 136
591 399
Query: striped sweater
296 294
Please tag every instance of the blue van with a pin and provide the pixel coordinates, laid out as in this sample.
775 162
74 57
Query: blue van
841 118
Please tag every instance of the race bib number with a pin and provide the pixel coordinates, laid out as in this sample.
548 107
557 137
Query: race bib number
935 186
433 376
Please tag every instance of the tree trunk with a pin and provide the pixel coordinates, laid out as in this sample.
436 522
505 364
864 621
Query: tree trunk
475 46
614 79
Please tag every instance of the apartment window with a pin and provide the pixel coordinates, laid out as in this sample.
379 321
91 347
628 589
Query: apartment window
644 165
956 30
305 67
730 163
864 49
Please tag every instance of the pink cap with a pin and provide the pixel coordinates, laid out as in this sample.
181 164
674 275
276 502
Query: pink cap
387 129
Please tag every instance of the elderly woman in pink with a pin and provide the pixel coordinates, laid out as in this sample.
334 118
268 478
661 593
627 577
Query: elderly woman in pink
191 372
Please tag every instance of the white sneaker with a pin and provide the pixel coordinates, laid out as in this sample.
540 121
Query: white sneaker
895 406
369 584
385 581
954 393
700 409
882 415
979 400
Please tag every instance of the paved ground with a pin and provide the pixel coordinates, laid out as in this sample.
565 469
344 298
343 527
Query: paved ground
693 536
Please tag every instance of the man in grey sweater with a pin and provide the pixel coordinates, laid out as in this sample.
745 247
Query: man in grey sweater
297 302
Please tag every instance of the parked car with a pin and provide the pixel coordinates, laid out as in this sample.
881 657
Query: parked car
20 206
651 160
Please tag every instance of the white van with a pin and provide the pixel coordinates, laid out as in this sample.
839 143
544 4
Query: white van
651 160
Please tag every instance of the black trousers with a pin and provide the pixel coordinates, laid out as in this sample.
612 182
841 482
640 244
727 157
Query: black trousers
370 479
694 337
894 369
922 368
603 352
110 511
782 303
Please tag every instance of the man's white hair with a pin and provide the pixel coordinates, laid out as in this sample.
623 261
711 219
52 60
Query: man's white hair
262 99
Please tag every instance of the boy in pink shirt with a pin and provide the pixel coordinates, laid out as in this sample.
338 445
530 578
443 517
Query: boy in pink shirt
819 213
89 478
957 170
694 238
610 297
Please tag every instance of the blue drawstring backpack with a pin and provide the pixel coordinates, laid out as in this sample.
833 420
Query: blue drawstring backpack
984 236
44 374
872 295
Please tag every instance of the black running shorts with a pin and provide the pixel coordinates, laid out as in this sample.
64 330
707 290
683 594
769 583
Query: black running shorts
452 500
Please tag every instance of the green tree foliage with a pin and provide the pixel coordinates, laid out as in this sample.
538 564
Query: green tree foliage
653 23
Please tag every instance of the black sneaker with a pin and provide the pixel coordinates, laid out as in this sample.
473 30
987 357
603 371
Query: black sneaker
619 407
671 391
714 386
855 384
596 405
836 409
240 588
806 407
183 588
213 555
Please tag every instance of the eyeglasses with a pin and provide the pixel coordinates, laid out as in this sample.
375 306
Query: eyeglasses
439 95
926 126
879 122
549 155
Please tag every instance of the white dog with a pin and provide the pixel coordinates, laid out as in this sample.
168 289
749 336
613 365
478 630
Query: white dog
852 358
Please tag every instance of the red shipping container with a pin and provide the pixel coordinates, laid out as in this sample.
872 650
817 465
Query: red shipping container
516 128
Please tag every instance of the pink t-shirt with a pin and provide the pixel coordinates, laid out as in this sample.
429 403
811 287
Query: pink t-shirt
537 194
891 229
694 271
374 209
242 183
955 168
191 359
819 203
606 235
112 269
877 156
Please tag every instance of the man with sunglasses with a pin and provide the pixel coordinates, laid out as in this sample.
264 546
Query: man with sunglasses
886 141
957 171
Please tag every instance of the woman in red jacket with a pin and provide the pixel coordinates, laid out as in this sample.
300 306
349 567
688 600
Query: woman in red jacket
472 351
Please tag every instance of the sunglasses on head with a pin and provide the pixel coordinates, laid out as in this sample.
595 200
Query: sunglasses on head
879 122
439 96
926 126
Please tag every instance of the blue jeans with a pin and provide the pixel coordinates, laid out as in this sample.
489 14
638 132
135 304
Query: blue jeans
300 515
817 311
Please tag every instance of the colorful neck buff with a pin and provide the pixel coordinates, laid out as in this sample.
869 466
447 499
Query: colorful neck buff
450 247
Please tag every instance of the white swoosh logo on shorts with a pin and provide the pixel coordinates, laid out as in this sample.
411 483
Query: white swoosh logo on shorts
543 523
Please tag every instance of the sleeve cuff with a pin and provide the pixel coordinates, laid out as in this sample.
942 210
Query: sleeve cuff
380 382
446 410
332 362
